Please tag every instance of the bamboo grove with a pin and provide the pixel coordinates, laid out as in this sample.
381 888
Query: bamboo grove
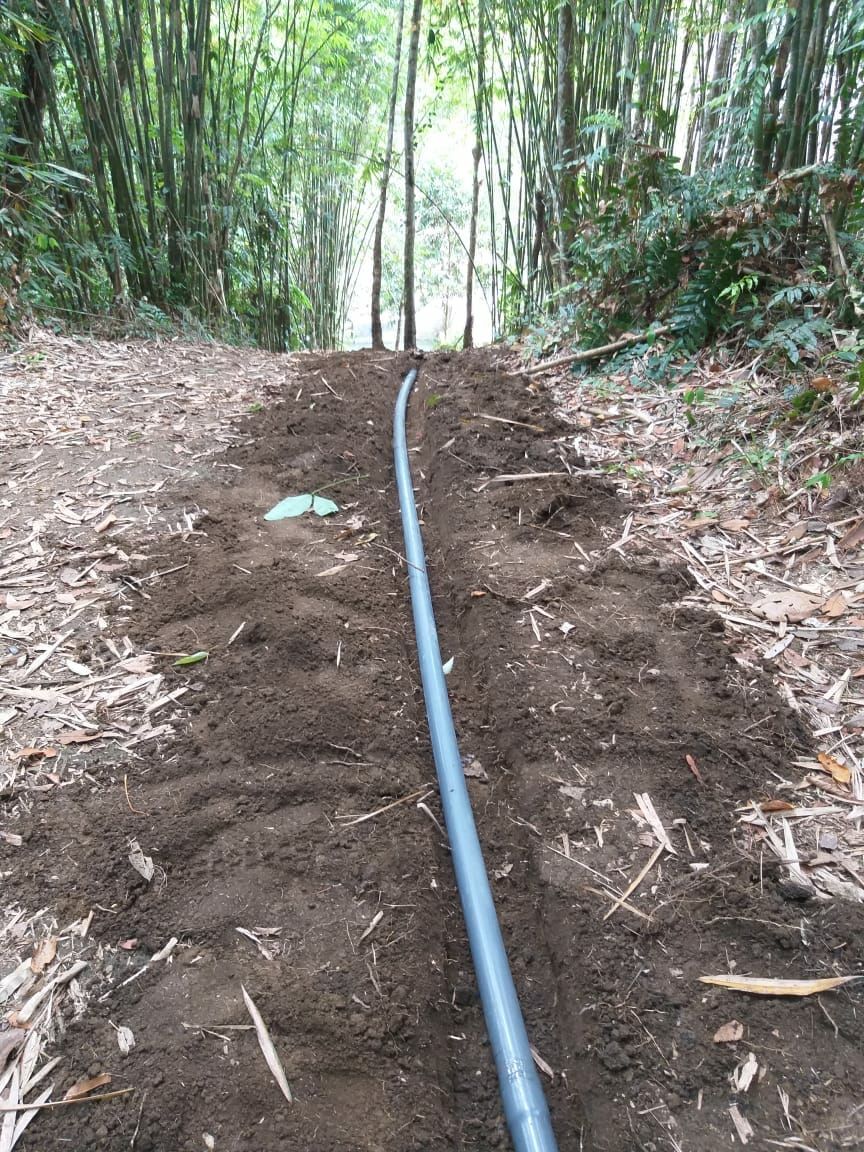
232 161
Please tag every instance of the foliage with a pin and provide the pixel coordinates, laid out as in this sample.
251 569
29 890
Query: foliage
709 254
204 157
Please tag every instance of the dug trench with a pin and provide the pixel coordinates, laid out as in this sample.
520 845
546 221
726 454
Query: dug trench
578 681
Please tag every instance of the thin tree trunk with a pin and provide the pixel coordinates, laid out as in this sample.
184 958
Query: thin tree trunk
410 92
566 140
378 242
758 15
468 333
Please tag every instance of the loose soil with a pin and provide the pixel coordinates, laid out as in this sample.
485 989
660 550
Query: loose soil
578 680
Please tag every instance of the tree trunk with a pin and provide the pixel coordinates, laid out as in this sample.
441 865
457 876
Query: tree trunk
33 87
410 92
566 140
708 150
479 96
758 15
377 333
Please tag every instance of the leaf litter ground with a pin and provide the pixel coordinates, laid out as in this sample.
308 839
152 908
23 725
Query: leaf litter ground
270 834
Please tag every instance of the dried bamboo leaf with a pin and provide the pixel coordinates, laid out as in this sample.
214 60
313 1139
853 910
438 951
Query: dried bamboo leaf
766 986
85 1087
267 1047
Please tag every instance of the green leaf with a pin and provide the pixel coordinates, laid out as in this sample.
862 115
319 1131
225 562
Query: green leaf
323 507
290 506
195 658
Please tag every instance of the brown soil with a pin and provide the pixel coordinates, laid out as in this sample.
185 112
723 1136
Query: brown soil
314 711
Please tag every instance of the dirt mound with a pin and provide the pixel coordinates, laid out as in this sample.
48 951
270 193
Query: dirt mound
578 681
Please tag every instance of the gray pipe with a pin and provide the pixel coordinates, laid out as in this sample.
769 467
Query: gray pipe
524 1104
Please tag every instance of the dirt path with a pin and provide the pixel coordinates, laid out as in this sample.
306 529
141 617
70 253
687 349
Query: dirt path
577 682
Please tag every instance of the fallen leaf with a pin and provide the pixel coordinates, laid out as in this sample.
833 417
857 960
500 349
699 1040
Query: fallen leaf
759 986
541 1063
289 507
835 605
503 872
350 557
834 768
729 1033
734 525
321 506
477 593
694 767
142 864
822 384
776 806
267 1047
125 1039
293 506
572 793
743 1076
787 604
12 602
853 538
742 1125
83 1087
43 954
10 1038
195 658
475 770
37 753
78 669
76 737
129 945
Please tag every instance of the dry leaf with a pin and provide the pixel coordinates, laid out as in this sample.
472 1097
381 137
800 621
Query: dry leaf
734 525
694 767
839 771
541 1063
729 1033
43 954
767 986
9 1041
267 1047
776 806
853 538
83 1087
475 770
743 1076
572 792
37 753
835 605
787 604
125 1040
76 737
742 1125
141 863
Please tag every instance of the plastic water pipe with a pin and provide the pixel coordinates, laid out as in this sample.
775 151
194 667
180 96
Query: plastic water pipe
524 1103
